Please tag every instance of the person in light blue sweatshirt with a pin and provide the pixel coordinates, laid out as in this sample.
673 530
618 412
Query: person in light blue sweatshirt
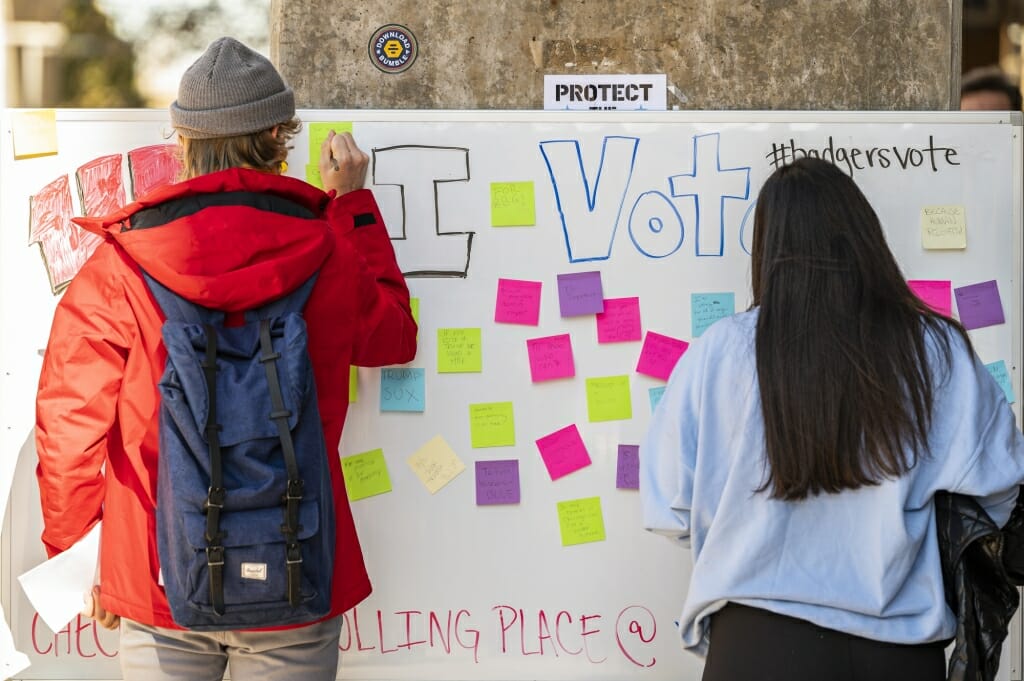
798 447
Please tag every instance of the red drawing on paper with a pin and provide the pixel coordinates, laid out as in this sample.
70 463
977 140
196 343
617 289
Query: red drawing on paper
153 166
100 185
65 245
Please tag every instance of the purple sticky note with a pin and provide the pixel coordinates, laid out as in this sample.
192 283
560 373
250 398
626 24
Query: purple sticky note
620 320
936 294
563 452
550 357
627 470
659 355
979 305
518 302
580 293
497 482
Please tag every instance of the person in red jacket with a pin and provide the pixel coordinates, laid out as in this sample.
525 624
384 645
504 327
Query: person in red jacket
232 235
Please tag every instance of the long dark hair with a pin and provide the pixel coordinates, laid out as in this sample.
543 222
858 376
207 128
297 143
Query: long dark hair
841 345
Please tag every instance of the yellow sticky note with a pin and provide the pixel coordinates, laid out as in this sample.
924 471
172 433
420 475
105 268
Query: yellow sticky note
34 132
458 351
512 204
943 227
580 521
436 464
353 385
313 176
318 132
414 307
608 399
491 424
366 474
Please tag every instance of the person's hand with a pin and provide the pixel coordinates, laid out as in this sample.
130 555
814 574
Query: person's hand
342 164
93 609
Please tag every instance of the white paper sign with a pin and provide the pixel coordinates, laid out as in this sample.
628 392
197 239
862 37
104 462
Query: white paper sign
11 661
56 588
610 92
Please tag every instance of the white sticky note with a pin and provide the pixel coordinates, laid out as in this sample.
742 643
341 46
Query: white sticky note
943 227
56 588
436 464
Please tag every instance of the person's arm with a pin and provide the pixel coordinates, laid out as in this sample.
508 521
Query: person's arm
76 404
974 423
388 331
667 455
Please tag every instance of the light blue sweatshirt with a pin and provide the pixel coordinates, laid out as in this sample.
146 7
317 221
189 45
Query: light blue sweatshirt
866 561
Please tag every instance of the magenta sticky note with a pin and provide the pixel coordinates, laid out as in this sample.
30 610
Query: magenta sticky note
627 469
497 482
550 358
979 305
620 320
580 293
935 293
518 302
563 451
659 355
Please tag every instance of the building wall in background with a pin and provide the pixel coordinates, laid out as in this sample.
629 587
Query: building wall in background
716 54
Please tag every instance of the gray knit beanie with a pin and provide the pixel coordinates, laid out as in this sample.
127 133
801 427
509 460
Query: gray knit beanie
230 90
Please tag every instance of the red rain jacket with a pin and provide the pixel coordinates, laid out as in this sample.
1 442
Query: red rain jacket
96 412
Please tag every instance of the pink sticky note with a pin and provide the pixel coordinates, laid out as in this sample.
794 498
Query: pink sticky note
550 358
563 452
620 320
659 355
518 302
936 294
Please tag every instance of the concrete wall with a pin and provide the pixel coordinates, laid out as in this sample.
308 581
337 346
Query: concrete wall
717 54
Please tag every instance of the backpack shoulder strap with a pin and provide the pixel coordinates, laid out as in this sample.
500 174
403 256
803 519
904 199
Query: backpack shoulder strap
290 302
177 308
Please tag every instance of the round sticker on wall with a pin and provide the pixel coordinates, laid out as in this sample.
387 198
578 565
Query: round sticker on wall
393 48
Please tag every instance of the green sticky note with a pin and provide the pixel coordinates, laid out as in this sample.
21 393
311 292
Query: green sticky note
458 351
313 176
608 399
491 424
414 306
580 521
318 132
353 385
366 474
512 204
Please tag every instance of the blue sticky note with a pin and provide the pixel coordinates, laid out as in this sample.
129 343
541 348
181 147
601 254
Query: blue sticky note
708 308
1002 376
402 389
654 394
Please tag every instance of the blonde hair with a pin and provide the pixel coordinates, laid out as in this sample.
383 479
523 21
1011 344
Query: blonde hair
258 150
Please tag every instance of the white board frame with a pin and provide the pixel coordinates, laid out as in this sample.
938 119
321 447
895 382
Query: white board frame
1015 642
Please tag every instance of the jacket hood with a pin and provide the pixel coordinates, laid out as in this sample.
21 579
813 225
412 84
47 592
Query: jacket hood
231 240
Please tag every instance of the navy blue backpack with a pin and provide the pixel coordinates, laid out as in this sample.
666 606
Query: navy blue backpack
245 510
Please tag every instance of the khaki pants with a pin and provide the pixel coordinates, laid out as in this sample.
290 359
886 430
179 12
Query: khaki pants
157 654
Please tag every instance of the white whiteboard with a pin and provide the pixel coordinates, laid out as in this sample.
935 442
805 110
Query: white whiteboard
489 592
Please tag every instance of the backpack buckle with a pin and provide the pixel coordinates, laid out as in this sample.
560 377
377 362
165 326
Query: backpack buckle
215 556
214 498
213 505
295 489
